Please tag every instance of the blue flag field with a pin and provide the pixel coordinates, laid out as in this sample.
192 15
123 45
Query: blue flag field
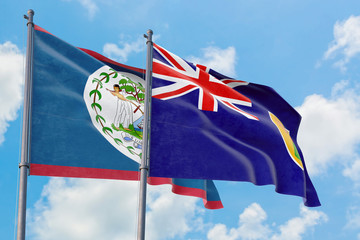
87 118
209 126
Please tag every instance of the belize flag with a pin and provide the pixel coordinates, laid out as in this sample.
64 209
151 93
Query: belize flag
209 126
87 118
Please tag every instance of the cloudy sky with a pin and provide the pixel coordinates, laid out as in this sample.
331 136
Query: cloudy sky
308 52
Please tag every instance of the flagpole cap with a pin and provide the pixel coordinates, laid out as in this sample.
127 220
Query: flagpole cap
30 16
31 12
149 35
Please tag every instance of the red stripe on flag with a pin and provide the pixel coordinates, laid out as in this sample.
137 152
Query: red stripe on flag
239 110
187 191
105 59
169 57
82 172
174 93
202 67
226 81
208 101
169 71
213 204
37 28
97 55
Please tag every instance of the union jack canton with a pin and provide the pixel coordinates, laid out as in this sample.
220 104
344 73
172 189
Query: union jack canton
187 77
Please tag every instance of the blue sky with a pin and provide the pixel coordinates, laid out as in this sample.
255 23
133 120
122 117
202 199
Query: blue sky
307 51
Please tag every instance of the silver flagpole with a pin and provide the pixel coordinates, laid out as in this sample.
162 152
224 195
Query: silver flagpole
24 164
144 167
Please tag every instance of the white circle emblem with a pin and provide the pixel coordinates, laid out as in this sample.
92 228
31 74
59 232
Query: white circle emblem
115 101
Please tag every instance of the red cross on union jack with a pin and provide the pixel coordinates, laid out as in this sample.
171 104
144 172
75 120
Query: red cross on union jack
187 78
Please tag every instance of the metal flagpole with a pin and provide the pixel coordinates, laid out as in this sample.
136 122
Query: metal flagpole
24 164
144 167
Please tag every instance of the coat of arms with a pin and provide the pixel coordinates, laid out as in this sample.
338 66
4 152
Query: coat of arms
115 101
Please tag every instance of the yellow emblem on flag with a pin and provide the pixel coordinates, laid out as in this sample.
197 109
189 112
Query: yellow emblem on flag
290 146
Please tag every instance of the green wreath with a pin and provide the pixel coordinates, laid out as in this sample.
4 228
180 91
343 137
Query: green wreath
136 92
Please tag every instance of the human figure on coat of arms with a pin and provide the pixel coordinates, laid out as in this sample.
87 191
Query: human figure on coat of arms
124 115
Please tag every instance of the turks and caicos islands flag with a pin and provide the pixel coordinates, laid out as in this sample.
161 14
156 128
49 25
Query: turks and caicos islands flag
87 118
209 126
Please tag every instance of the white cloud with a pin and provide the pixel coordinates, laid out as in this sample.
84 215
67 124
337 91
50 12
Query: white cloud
113 51
221 60
85 209
353 172
353 218
76 209
298 226
90 6
252 226
11 81
170 215
220 232
346 41
251 223
330 129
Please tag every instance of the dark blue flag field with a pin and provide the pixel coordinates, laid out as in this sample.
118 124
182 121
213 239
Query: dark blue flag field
209 126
